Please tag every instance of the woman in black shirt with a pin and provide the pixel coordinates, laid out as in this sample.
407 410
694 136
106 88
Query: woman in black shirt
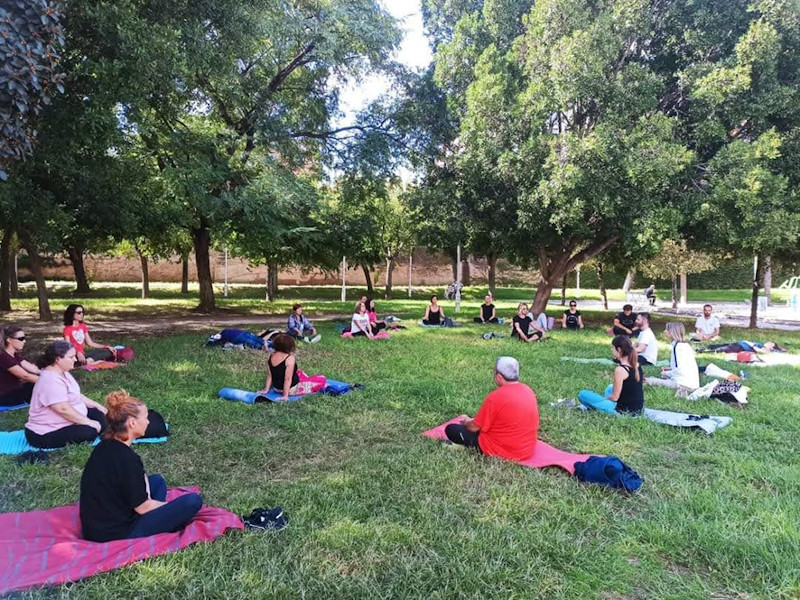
118 499
434 314
488 314
17 375
625 395
523 326
572 318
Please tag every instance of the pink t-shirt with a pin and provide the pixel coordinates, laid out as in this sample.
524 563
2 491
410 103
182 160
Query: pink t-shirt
52 388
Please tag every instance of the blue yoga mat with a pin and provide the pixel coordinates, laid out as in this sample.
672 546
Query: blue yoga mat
332 387
15 407
14 442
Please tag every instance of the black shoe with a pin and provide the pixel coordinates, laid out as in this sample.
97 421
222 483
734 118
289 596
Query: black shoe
37 457
266 519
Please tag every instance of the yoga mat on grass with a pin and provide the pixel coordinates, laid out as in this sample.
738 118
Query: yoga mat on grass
14 442
706 423
15 407
44 547
544 455
332 387
102 364
605 361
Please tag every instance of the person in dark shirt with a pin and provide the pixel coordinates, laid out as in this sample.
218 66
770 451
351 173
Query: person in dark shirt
488 313
572 318
524 327
118 499
625 322
17 375
625 395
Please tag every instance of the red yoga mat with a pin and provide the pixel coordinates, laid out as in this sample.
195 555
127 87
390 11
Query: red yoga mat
102 364
544 455
44 547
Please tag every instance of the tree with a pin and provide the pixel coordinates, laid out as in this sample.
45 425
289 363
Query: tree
397 230
32 33
674 260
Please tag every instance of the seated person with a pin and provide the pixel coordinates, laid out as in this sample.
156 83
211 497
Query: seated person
571 319
359 323
507 423
59 413
283 374
118 499
625 322
17 375
77 333
488 313
646 345
650 294
434 314
706 326
625 395
524 327
300 328
682 374
374 322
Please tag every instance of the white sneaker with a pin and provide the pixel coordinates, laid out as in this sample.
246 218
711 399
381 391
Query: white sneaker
306 340
316 338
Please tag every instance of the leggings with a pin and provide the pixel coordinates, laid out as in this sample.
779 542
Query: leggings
171 517
19 396
598 402
99 354
458 434
71 434
376 327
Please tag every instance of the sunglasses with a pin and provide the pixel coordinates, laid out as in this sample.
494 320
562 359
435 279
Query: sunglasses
573 305
78 312
21 339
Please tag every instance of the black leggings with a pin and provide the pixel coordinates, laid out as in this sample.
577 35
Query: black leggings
458 434
376 327
77 434
478 320
19 396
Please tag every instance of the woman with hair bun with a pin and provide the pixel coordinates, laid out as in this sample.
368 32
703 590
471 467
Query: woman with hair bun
118 499
59 413
17 375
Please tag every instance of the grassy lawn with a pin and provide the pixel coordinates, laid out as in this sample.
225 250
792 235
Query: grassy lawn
123 301
377 511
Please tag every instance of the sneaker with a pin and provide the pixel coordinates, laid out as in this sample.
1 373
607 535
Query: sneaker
265 519
315 339
306 340
564 403
744 374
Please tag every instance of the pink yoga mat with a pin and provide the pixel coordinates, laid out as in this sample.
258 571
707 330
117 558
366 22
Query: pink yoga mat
102 364
544 455
44 547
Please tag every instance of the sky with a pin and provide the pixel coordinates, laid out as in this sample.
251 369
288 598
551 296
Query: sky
414 52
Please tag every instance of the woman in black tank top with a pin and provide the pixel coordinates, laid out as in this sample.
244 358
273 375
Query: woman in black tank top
282 366
628 377
434 314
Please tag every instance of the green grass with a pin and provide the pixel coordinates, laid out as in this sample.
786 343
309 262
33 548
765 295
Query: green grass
377 511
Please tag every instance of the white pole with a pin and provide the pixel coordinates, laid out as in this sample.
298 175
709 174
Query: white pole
226 272
410 265
344 279
458 278
16 271
578 281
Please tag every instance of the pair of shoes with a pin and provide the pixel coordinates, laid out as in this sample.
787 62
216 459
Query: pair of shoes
314 339
565 403
266 519
306 340
33 457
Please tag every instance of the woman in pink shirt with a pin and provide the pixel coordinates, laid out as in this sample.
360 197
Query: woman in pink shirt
77 333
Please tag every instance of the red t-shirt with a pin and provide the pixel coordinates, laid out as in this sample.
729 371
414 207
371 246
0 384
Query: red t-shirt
76 335
509 422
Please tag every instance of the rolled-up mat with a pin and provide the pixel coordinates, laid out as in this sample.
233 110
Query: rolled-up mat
14 442
544 455
705 423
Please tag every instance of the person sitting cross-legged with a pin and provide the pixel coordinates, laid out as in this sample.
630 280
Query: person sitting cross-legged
17 375
625 322
625 395
375 323
706 326
359 323
507 423
571 319
682 375
118 499
299 327
646 345
488 312
434 314
524 327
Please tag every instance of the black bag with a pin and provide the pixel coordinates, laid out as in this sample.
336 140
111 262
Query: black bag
157 427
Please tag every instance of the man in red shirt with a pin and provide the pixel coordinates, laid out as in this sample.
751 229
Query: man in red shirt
507 422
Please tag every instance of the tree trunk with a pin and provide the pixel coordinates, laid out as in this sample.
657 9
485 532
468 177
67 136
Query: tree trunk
13 278
564 291
466 276
674 291
368 279
145 276
757 277
38 274
768 279
272 279
79 269
491 261
454 264
602 282
201 238
185 273
6 269
389 268
626 287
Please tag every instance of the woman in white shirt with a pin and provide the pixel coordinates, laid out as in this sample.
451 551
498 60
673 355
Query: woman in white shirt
682 374
360 325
